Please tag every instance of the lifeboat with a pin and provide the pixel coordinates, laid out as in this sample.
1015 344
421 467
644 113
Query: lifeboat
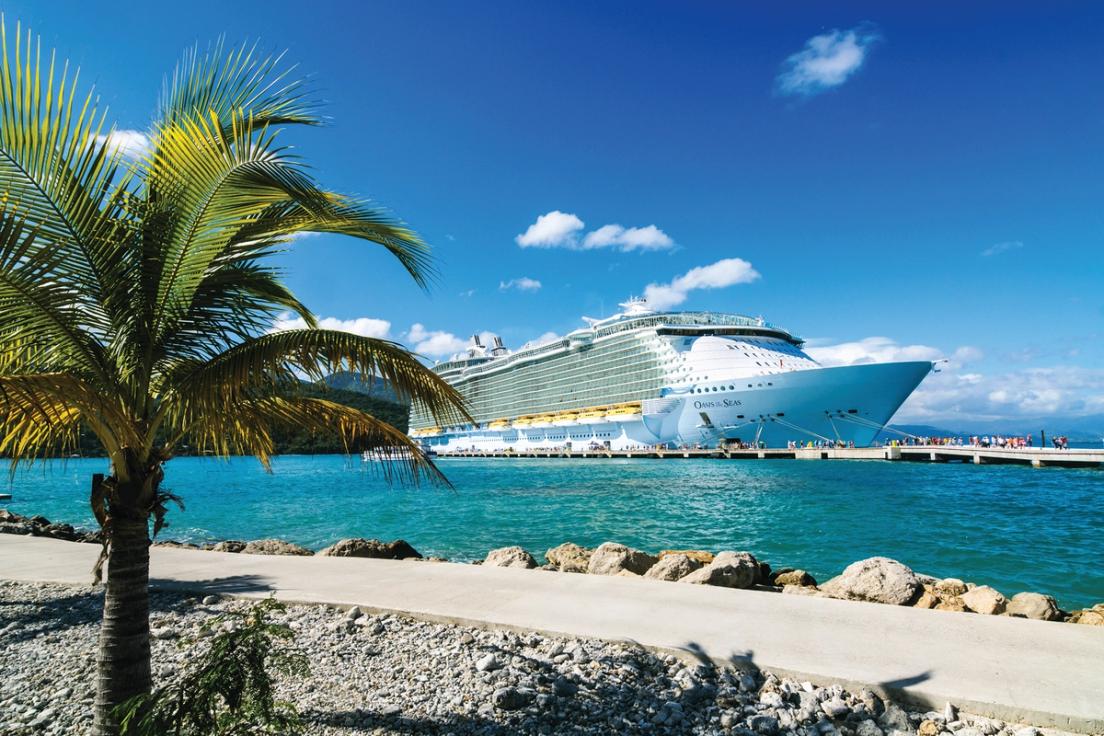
623 412
591 416
499 424
544 420
565 419
523 422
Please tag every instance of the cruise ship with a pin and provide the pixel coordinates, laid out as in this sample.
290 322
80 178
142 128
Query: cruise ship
643 378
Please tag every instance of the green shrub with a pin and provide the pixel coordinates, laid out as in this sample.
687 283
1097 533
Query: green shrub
229 689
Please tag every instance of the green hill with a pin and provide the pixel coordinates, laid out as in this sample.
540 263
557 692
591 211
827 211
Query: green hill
296 442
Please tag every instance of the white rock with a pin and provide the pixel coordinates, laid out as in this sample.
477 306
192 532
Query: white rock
510 557
876 579
611 558
1034 605
728 570
984 599
488 663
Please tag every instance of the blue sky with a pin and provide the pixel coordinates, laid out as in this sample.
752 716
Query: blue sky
886 182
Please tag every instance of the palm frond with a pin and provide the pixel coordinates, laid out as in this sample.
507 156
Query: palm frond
246 427
225 82
342 215
30 404
39 306
274 361
55 168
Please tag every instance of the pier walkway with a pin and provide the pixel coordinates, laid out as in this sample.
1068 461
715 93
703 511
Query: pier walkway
1039 457
1043 673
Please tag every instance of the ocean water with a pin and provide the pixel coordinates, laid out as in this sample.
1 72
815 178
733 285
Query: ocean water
1013 527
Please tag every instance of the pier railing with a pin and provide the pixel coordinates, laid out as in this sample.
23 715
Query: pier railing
1038 457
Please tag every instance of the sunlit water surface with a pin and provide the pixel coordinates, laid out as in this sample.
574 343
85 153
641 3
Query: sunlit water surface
1012 527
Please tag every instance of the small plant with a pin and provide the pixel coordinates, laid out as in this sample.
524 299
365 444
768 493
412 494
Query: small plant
229 690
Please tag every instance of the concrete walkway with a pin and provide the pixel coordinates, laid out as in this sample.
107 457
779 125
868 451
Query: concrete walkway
1046 674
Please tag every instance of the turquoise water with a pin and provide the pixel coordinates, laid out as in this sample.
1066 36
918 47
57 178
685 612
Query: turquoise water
1012 527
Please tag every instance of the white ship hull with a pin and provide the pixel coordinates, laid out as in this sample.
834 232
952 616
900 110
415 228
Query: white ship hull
847 404
669 379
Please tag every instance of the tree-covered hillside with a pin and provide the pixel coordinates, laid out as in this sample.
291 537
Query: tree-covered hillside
295 441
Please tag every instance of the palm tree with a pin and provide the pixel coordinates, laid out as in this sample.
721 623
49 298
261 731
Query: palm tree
136 298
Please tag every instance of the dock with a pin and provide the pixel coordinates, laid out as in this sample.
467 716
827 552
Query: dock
1038 457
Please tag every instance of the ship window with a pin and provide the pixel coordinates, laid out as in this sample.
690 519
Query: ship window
852 411
731 388
739 416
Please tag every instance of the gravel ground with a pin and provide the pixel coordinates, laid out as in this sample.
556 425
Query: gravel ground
385 674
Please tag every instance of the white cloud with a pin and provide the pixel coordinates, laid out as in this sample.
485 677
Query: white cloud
561 230
960 394
552 230
726 272
956 399
468 293
130 143
365 326
871 350
521 284
827 61
999 248
966 354
885 350
633 238
434 343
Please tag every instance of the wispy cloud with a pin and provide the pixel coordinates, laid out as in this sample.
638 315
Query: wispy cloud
962 392
467 293
632 238
558 229
520 284
365 326
1004 247
827 61
883 350
133 144
726 272
960 397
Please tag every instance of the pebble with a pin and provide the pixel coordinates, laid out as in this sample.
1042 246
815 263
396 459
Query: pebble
488 663
383 675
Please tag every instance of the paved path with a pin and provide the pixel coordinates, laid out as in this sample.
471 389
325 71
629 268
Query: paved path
1047 674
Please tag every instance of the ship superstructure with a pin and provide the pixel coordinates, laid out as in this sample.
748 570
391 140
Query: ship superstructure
643 378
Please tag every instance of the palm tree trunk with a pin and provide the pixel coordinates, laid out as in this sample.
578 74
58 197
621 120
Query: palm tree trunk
124 660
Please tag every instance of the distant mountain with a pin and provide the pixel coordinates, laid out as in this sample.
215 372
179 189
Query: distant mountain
1089 428
373 386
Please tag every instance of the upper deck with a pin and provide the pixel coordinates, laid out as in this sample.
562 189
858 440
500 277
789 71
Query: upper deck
477 363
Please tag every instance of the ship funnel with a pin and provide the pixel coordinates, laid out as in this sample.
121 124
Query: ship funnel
476 342
498 342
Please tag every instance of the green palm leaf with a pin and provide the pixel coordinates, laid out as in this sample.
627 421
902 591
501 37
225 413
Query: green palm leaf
135 297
